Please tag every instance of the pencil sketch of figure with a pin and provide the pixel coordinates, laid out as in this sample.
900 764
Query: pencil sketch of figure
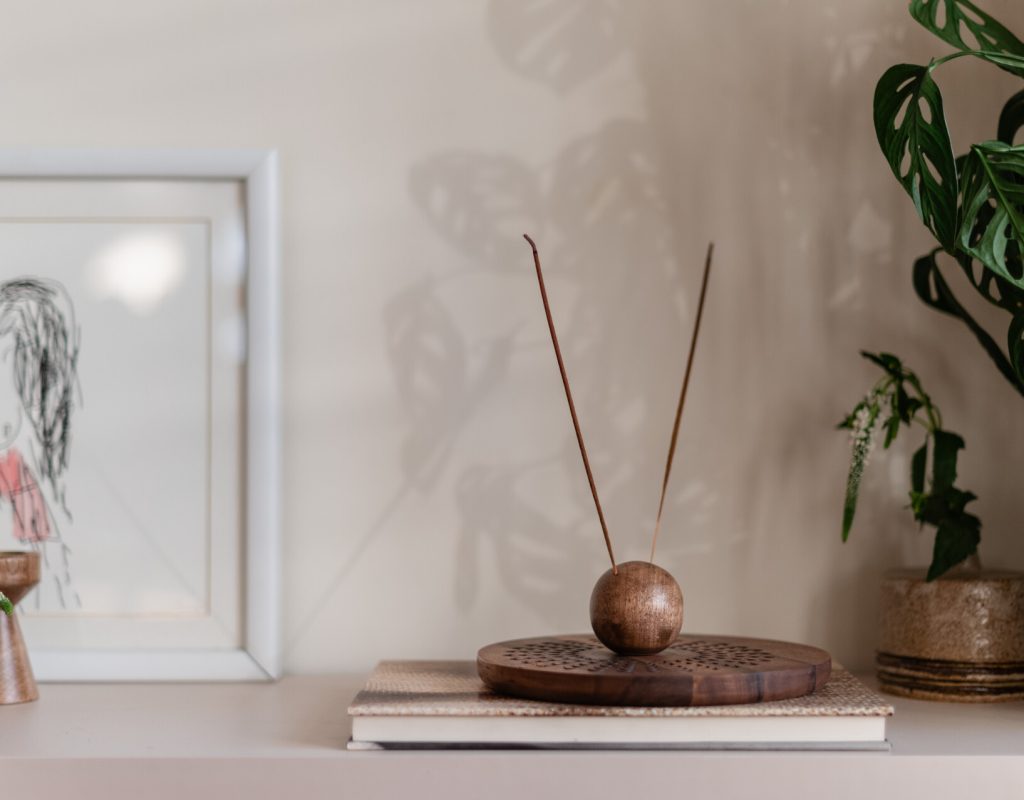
38 359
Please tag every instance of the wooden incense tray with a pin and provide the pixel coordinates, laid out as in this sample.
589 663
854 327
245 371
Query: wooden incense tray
695 670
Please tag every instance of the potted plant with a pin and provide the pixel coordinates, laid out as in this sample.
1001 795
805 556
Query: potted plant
955 631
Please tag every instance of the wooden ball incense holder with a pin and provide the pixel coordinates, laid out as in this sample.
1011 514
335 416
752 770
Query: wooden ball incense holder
637 655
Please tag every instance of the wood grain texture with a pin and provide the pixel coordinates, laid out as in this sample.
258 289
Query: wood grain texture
19 572
694 671
637 610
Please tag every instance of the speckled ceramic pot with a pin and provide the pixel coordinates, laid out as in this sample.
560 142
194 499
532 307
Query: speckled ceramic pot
960 637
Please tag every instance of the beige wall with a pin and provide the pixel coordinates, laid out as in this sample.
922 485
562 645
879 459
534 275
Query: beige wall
434 499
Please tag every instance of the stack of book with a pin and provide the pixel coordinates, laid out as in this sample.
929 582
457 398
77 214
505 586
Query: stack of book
442 704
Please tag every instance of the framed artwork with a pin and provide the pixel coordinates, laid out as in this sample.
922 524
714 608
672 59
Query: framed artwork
139 434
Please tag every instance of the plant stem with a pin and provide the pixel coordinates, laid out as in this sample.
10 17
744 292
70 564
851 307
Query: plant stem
937 62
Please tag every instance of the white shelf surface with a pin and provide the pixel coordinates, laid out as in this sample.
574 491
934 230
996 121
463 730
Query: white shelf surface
288 740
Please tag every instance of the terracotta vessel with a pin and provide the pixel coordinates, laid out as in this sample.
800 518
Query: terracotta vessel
19 572
960 637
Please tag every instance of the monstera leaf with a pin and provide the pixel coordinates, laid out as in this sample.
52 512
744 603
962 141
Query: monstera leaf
993 176
950 20
912 133
1011 62
1011 118
991 285
932 288
995 289
1015 346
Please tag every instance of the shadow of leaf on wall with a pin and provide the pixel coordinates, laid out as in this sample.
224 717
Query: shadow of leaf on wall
560 44
607 188
480 204
533 553
604 207
435 383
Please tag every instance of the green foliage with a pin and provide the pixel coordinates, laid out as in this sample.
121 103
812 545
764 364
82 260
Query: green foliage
1011 118
898 400
947 20
932 288
992 173
974 204
919 153
5 605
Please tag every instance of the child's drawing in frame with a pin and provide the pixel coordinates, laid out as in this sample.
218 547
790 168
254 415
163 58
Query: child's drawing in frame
38 359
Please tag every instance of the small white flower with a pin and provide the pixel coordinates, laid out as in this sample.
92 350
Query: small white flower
862 439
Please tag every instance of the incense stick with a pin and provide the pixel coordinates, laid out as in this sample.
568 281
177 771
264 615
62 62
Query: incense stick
682 396
572 406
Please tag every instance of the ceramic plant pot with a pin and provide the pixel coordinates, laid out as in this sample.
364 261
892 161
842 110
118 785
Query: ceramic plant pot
19 572
959 637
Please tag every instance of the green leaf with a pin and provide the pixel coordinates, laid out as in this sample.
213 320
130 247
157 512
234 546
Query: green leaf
955 539
932 288
887 361
917 146
917 468
963 17
938 506
906 406
892 427
946 446
1011 118
994 288
917 503
1013 63
994 177
5 605
850 504
1015 340
957 532
913 406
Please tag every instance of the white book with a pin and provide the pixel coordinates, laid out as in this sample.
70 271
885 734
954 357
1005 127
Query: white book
415 704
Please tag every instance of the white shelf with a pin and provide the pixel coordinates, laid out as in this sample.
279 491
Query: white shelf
287 740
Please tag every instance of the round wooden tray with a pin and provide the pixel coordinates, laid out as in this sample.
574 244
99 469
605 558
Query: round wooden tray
694 671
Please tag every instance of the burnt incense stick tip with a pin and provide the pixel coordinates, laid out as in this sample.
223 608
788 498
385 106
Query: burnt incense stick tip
572 406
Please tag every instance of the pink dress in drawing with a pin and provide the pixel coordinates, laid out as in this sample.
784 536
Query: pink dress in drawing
19 486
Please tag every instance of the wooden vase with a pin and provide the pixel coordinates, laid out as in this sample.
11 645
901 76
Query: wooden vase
19 572
960 637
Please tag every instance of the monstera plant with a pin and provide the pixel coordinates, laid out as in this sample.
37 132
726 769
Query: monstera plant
974 206
973 203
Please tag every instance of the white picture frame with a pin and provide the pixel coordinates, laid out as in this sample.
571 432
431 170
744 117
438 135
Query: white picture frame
256 656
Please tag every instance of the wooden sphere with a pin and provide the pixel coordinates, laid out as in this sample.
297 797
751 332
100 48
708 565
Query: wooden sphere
638 611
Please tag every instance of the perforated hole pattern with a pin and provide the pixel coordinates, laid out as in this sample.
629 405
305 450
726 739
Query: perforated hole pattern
688 656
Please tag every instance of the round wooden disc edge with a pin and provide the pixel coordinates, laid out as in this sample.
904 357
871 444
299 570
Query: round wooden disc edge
695 670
